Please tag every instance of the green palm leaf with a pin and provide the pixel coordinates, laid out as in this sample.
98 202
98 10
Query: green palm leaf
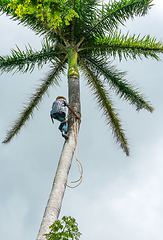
23 61
132 47
115 79
105 104
52 79
115 13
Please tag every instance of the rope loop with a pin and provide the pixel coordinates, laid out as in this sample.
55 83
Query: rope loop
76 125
67 117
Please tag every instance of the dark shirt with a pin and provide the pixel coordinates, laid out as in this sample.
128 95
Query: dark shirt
59 106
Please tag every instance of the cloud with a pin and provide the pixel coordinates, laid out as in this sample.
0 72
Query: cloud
13 213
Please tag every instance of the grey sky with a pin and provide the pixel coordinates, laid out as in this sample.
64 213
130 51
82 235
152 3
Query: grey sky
120 197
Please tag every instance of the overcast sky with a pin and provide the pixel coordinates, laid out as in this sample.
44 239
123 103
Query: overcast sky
120 197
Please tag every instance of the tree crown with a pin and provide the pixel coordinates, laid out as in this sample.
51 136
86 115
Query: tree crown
81 35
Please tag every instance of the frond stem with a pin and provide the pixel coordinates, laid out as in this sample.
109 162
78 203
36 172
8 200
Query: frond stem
63 38
73 24
120 46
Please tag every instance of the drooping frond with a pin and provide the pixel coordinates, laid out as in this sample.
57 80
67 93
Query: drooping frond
117 12
116 81
105 104
52 79
132 47
23 61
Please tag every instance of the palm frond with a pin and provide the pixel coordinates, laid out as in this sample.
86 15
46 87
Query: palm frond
132 47
89 16
105 104
36 25
52 79
116 81
115 13
23 61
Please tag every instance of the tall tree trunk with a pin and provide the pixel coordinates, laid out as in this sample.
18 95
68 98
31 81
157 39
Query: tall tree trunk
58 189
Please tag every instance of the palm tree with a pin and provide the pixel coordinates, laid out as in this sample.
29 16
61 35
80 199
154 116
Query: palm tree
85 39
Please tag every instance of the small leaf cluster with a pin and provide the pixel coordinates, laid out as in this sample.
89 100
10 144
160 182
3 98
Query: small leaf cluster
64 229
54 13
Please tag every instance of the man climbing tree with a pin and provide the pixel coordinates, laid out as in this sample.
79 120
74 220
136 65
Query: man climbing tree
79 36
58 112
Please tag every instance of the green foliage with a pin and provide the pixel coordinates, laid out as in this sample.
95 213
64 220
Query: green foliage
23 61
129 46
64 229
115 79
105 103
52 12
115 13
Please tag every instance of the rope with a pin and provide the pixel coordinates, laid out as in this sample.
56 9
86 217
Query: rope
76 125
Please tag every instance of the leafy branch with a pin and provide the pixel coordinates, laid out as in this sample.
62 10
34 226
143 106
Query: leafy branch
55 13
64 229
